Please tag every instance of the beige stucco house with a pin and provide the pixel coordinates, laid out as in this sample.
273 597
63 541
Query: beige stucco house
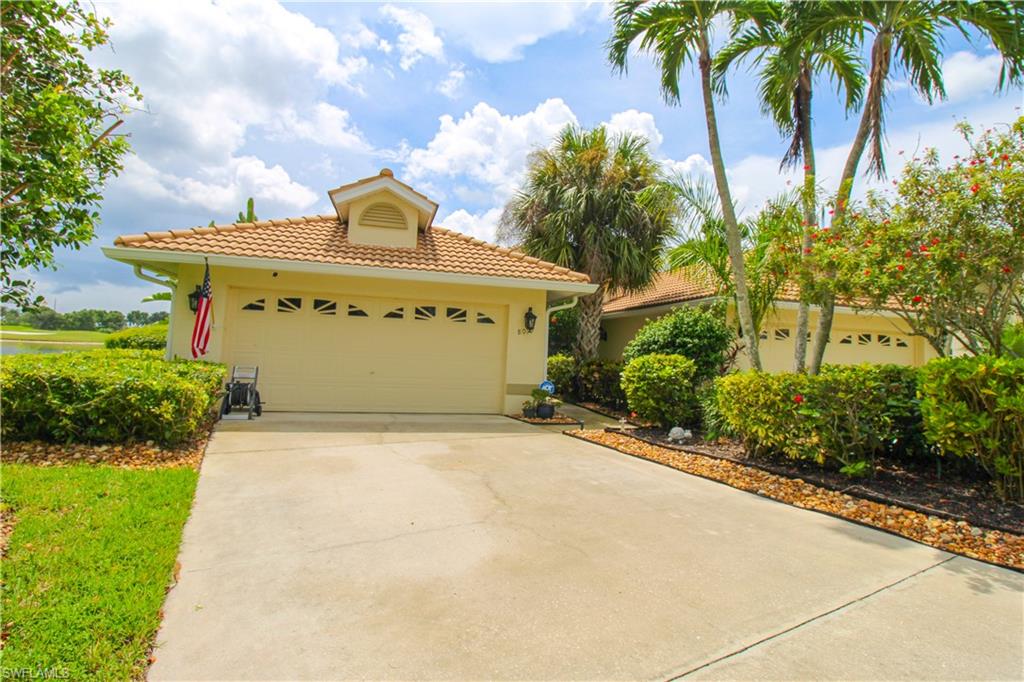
878 337
371 308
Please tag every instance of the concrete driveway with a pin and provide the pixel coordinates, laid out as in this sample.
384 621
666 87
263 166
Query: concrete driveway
424 547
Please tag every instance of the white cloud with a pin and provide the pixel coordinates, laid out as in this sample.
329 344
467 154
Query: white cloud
498 32
417 38
638 123
221 189
452 83
487 147
328 125
480 225
968 75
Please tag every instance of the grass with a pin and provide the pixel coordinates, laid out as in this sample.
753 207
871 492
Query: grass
17 332
88 565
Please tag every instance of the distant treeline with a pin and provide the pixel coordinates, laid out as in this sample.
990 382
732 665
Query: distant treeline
84 320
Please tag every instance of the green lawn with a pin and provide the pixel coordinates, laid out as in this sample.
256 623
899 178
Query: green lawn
15 332
90 559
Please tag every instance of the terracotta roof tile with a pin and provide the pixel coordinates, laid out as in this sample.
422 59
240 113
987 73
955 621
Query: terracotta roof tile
324 239
688 285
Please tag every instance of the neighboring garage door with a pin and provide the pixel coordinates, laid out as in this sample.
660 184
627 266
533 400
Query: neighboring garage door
336 353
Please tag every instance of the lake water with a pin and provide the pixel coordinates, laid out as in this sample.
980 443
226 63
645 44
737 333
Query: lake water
20 347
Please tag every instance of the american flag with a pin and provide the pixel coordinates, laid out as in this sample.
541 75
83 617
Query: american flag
204 315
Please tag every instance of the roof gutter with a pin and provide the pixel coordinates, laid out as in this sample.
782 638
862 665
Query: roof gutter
169 283
547 326
132 255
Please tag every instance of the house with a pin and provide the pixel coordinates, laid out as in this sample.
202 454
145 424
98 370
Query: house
857 336
372 308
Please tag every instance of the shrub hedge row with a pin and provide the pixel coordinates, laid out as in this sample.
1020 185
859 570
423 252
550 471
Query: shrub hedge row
149 337
699 334
659 388
106 396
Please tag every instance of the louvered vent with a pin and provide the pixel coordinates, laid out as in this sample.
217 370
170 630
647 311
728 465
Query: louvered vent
383 215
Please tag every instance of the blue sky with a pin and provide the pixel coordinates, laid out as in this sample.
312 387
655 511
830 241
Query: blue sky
285 101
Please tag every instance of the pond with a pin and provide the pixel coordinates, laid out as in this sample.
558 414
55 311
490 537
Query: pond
20 347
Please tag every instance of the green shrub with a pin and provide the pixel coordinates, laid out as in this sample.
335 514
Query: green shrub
106 396
974 407
659 388
150 337
697 333
844 417
711 419
561 370
597 381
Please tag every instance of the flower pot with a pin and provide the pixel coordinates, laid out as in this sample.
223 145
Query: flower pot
546 411
529 412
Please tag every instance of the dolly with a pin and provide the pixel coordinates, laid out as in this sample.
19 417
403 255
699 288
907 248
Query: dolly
242 400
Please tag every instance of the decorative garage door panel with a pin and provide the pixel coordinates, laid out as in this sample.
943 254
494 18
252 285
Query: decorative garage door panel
334 353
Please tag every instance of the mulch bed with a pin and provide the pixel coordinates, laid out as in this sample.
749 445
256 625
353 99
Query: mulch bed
146 455
611 412
557 420
959 537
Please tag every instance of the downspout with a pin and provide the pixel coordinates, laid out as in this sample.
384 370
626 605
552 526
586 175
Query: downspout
547 326
173 286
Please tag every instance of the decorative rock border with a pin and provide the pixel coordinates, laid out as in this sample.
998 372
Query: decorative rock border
130 456
958 537
557 420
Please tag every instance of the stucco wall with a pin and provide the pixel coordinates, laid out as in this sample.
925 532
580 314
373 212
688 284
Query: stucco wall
525 355
856 338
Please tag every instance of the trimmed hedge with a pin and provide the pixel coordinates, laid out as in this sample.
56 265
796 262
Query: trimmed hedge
561 370
106 396
598 381
697 333
844 417
149 337
974 407
659 388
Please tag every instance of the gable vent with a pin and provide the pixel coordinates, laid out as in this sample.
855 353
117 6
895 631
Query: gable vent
383 215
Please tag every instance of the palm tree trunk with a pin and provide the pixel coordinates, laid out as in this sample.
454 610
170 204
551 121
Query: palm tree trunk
803 312
732 229
589 335
881 55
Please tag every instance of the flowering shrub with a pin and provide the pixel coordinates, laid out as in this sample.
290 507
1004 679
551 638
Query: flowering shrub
106 396
844 417
974 407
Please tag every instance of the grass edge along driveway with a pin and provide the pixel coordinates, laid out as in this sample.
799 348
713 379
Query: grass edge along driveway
88 565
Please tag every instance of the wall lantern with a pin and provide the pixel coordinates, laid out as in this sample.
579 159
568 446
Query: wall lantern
530 320
193 299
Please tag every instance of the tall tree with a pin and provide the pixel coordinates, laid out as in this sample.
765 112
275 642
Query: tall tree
594 203
905 37
57 147
788 61
676 33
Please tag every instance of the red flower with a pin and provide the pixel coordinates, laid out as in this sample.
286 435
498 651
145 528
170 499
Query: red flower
900 267
975 187
807 250
935 241
798 398
868 243
807 168
917 299
831 212
633 415
1007 269
908 253
1005 157
867 272
553 320
885 222
924 248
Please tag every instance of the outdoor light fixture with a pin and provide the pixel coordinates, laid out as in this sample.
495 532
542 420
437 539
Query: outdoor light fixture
193 299
530 320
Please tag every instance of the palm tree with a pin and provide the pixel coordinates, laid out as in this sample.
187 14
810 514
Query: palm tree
770 34
703 252
906 36
677 33
596 204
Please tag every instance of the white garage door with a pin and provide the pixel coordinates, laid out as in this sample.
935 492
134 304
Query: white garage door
336 353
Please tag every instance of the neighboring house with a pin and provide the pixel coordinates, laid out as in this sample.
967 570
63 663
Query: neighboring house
372 309
878 337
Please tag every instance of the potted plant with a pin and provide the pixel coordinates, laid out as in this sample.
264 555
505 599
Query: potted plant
529 409
542 401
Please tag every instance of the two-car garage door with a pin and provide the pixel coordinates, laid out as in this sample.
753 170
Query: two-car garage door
337 353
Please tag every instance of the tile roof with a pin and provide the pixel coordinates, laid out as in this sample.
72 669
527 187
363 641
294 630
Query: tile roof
691 285
324 239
